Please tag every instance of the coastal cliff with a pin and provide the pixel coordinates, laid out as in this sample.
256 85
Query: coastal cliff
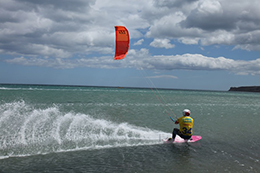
246 88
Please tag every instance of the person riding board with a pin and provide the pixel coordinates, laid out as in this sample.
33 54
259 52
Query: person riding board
186 124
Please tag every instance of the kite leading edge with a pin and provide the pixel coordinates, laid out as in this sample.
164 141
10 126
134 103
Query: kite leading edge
122 42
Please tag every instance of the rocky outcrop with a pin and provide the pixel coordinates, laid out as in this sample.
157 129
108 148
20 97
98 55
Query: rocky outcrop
246 88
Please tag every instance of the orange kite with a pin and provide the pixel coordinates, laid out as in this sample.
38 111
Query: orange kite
122 42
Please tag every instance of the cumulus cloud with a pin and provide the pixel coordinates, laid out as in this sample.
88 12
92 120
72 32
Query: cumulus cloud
139 42
54 28
234 22
162 43
196 62
143 60
73 33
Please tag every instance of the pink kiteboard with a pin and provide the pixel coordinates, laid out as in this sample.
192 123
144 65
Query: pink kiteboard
178 139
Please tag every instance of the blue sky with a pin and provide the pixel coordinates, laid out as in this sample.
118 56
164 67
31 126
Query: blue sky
179 44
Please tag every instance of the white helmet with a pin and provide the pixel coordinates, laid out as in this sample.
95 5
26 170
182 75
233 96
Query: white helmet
186 112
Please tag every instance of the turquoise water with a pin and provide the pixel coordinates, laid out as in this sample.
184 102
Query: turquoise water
92 129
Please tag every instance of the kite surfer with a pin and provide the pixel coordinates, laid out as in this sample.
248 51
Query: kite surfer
186 124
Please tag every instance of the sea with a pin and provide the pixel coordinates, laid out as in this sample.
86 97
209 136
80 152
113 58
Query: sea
104 129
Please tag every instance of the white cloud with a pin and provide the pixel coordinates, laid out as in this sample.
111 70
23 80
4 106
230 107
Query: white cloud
85 26
162 43
139 42
211 22
59 34
143 60
186 40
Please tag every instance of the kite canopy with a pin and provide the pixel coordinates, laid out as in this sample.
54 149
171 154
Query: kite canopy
122 42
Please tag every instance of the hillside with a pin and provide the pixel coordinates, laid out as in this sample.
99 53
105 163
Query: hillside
246 88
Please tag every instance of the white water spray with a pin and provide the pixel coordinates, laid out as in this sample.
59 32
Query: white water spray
29 131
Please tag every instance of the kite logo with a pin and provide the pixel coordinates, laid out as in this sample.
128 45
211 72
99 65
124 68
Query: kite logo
121 32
